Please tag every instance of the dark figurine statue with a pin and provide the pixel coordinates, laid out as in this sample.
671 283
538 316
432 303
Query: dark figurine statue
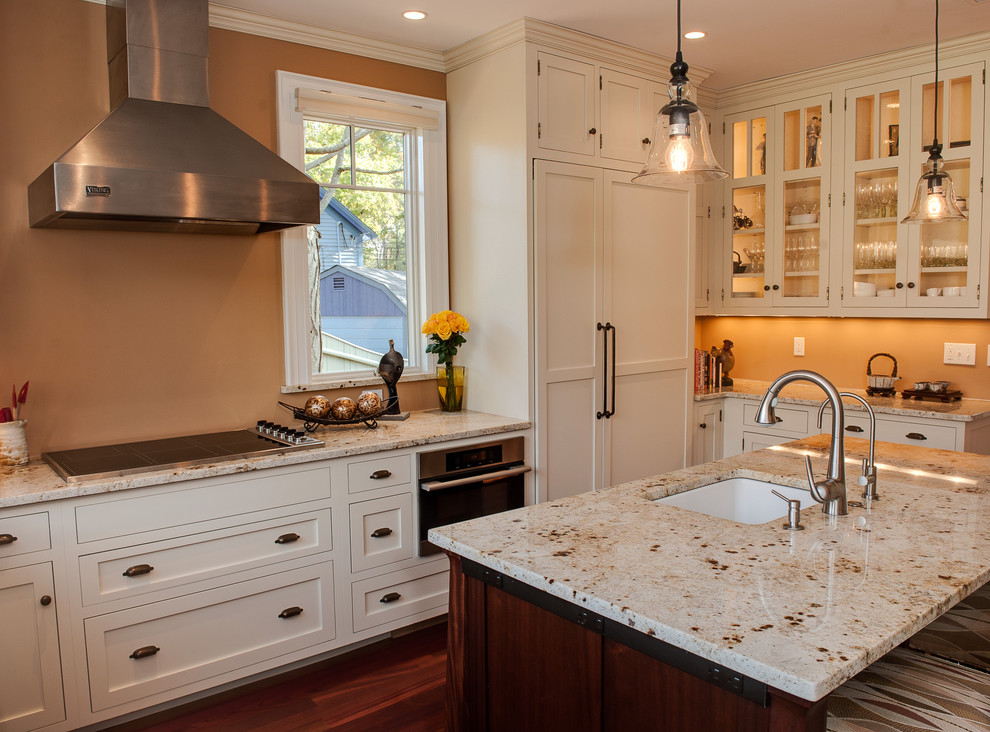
390 370
724 357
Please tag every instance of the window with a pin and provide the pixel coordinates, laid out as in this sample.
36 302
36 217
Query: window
376 265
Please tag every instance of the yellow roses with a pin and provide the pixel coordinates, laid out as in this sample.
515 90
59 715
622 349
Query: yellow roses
444 329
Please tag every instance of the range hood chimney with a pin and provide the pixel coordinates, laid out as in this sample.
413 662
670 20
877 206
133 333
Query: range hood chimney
162 160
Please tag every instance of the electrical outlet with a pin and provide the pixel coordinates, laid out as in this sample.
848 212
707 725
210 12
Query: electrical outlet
798 346
376 391
963 354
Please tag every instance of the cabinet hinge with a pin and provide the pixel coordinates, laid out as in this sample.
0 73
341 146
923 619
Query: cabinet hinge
709 212
984 77
533 171
977 293
723 212
830 106
599 82
723 128
601 140
538 70
981 184
830 200
842 293
827 288
720 415
723 294
709 128
843 199
845 104
539 130
707 294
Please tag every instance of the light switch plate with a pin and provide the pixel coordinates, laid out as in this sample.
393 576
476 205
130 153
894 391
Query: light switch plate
963 354
798 346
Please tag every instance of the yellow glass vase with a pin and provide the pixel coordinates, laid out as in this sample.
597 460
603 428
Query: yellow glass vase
450 387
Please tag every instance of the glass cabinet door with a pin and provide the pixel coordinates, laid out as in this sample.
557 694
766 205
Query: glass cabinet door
799 272
876 195
747 209
943 270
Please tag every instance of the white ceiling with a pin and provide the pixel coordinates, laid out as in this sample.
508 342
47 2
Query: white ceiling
746 41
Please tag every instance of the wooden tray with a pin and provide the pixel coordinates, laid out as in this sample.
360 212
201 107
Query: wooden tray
945 396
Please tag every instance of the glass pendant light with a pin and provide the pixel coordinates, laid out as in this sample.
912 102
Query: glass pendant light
934 198
680 152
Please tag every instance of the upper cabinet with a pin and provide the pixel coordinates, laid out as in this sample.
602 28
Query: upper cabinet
595 111
813 205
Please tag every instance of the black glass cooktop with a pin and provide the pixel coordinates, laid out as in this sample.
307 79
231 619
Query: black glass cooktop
109 461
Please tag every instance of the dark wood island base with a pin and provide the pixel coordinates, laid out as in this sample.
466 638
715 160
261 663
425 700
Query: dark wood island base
520 659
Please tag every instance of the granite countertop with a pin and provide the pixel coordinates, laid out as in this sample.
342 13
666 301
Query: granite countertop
963 410
801 611
37 482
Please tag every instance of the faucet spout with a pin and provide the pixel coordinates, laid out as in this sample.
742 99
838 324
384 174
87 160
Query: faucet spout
831 492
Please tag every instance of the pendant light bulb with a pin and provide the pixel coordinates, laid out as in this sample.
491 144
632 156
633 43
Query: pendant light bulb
935 205
680 154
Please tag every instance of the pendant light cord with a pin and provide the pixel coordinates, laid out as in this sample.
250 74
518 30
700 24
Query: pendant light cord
935 129
679 27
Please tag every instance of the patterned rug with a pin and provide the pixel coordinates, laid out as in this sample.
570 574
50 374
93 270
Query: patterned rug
907 691
962 634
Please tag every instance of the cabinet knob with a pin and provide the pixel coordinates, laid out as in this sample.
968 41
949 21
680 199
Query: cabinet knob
390 597
592 131
7 539
910 285
144 652
766 288
703 426
46 600
915 436
646 140
381 474
899 285
138 569
776 287
291 612
379 533
287 538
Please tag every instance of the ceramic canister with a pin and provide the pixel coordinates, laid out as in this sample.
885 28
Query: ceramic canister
13 443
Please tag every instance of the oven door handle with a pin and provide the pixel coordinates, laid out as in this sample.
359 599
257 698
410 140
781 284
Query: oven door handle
439 485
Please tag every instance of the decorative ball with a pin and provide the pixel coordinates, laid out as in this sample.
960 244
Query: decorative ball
343 408
317 406
369 402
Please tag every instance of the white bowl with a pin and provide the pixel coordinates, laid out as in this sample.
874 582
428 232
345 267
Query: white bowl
885 293
805 218
864 289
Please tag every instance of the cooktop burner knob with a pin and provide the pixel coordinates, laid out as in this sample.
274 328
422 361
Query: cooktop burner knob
261 425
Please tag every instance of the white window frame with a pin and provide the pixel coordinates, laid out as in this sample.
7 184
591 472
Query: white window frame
426 265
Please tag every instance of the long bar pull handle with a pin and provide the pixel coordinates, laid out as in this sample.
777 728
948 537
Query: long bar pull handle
145 652
138 569
611 413
604 329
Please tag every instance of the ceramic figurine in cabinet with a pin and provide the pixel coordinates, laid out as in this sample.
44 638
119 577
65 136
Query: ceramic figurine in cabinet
725 358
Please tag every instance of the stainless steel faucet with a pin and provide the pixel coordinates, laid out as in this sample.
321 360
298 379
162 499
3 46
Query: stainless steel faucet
868 480
831 492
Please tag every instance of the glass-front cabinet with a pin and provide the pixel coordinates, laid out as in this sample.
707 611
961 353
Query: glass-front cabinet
886 263
746 211
776 202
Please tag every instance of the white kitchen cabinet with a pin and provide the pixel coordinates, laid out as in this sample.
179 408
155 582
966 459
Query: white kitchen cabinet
382 531
389 599
628 113
708 432
568 93
612 342
31 673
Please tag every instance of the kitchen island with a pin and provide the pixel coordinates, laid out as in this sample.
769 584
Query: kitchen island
607 610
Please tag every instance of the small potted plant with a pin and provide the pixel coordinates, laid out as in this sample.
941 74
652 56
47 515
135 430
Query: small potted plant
443 331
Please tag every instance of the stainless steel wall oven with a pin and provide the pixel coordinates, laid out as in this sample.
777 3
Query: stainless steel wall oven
463 483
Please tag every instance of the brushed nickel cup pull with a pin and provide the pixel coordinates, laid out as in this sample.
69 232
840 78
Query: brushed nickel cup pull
379 533
7 539
290 612
915 436
381 474
287 538
145 652
46 600
138 569
390 597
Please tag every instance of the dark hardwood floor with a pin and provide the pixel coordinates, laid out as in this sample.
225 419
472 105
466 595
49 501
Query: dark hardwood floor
396 685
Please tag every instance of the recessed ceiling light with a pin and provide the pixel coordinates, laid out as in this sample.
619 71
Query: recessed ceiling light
414 15
694 35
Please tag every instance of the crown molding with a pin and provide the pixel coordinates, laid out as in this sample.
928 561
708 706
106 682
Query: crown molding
847 72
243 21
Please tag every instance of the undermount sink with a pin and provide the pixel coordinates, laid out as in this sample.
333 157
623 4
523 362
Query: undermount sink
745 500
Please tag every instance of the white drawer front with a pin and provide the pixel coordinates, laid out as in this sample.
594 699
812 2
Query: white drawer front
207 633
24 534
761 440
199 501
398 595
125 572
792 420
381 531
916 433
381 472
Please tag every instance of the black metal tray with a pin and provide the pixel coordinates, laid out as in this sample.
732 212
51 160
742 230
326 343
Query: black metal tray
311 423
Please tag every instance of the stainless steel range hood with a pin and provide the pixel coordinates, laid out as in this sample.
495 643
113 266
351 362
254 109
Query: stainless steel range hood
163 160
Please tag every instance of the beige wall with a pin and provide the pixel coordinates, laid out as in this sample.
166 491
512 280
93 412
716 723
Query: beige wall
839 348
131 336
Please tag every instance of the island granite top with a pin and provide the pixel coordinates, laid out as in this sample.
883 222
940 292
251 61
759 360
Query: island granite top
800 611
37 482
961 410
